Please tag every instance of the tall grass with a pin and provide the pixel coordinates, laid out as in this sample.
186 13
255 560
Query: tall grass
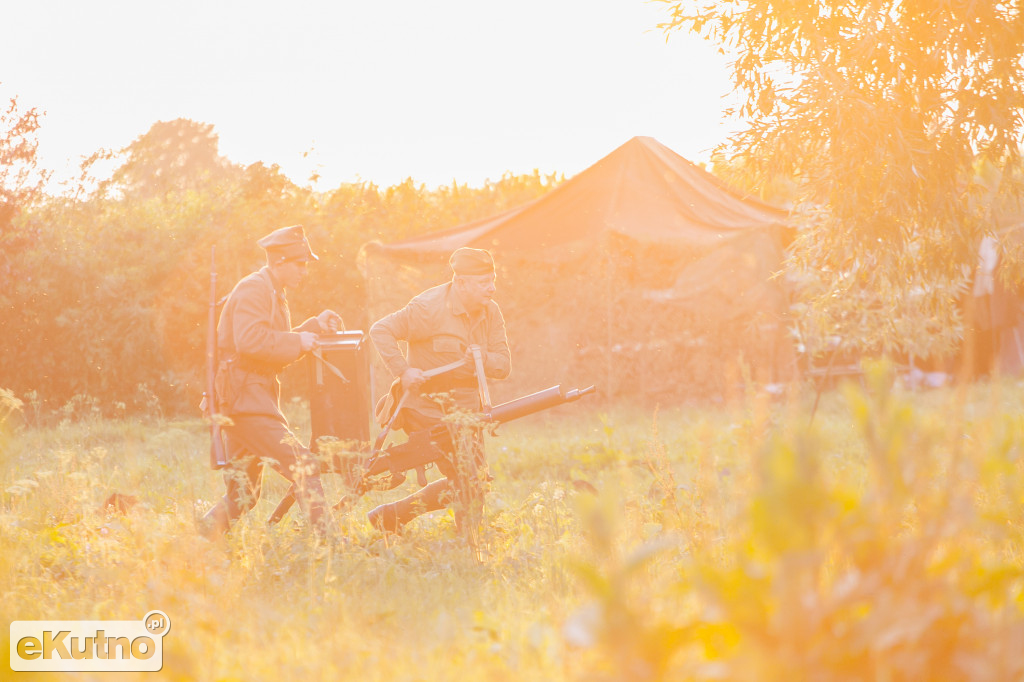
880 542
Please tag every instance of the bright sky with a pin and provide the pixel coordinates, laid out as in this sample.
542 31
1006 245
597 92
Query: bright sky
437 90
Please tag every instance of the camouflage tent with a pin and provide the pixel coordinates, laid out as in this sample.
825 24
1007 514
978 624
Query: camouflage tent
644 274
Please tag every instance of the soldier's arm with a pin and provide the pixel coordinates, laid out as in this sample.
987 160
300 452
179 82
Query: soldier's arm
326 322
310 325
253 334
385 335
497 356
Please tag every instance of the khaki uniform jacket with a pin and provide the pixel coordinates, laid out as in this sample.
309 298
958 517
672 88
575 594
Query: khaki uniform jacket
255 341
438 330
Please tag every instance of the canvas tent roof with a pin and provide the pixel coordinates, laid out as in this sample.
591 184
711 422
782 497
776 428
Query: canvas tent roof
643 272
642 191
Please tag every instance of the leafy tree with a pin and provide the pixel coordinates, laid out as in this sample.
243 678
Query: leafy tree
881 111
172 156
21 296
20 180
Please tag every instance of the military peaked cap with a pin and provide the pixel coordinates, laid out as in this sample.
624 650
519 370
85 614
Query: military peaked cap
287 243
467 261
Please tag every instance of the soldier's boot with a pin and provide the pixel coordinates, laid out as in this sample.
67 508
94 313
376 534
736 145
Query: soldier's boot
216 522
392 516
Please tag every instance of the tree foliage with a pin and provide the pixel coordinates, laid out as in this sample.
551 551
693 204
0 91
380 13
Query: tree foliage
172 156
20 182
111 289
20 185
880 111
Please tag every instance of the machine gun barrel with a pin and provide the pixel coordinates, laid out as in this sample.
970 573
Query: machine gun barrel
535 402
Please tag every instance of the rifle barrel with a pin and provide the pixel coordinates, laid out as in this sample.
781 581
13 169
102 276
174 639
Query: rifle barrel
218 457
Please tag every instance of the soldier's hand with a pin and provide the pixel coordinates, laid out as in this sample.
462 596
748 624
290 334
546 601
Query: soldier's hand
330 321
308 341
412 377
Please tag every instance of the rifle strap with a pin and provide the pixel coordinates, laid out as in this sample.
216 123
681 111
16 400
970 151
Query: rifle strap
331 368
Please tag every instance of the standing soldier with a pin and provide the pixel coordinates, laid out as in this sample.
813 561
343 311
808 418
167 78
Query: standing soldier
255 341
439 326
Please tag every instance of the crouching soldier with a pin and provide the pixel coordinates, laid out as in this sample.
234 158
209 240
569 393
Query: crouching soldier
440 325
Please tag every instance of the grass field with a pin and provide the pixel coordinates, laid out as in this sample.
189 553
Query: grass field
883 541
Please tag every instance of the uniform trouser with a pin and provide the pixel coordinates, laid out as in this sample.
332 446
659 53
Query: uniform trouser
253 440
465 468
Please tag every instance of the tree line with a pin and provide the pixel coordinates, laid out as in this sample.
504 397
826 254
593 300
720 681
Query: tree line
106 288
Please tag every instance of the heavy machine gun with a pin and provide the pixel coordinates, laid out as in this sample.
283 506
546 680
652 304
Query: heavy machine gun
376 467
386 468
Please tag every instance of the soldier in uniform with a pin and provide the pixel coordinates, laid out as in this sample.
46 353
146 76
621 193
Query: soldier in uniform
255 341
439 325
